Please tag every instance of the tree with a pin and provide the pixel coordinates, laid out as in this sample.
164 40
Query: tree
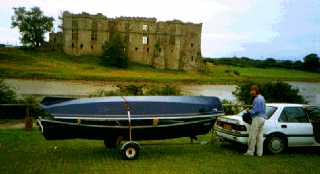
272 91
32 25
311 62
7 95
271 60
115 52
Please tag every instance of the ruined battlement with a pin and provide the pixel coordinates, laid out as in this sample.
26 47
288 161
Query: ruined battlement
162 44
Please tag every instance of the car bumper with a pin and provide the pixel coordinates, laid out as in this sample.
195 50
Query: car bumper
231 136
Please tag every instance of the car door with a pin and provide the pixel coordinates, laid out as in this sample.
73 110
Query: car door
314 116
294 122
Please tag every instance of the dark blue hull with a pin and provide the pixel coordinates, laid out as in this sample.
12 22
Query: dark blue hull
55 130
151 117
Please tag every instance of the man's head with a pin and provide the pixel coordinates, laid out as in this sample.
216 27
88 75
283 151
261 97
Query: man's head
254 90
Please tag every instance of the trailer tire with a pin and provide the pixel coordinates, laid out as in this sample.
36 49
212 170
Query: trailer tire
130 150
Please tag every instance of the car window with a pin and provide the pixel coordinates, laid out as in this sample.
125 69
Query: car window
313 112
270 110
293 115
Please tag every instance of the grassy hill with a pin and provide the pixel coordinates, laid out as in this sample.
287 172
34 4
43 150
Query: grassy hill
16 63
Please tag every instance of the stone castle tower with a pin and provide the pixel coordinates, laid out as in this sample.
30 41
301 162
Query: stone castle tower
166 45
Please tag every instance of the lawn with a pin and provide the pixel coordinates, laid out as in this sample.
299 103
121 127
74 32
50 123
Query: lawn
16 63
28 152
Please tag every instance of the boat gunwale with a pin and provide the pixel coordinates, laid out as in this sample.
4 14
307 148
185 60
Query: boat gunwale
121 127
125 117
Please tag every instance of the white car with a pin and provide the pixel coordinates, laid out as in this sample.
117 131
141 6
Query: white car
287 125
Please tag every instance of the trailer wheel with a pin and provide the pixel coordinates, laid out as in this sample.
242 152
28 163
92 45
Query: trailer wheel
130 150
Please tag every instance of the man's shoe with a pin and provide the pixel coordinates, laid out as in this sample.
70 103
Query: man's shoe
248 154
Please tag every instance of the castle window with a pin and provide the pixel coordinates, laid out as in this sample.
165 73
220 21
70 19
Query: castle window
72 45
145 27
136 49
147 50
144 40
127 26
93 35
75 30
191 45
159 50
92 47
172 40
94 27
81 46
191 58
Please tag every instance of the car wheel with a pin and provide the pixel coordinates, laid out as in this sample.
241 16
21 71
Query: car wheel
276 144
130 150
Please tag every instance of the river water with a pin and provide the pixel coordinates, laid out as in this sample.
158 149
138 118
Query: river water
311 91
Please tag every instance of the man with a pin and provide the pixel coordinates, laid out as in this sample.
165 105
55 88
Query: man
258 114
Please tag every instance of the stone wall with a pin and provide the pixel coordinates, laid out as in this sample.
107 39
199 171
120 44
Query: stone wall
56 41
165 45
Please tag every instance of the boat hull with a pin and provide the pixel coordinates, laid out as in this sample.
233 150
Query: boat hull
57 130
147 117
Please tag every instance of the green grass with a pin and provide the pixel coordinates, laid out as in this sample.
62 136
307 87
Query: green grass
54 65
28 152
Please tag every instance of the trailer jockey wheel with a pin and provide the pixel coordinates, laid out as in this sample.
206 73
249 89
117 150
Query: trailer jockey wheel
130 150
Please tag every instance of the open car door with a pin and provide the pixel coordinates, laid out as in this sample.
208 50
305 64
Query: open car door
314 116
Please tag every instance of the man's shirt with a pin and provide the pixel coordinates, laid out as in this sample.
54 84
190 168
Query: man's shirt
259 107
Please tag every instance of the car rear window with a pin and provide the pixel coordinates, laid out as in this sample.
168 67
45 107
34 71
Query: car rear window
270 110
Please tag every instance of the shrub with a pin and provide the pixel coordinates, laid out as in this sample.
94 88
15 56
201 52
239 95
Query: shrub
115 52
7 95
272 91
103 93
231 108
139 90
131 89
166 90
123 90
237 73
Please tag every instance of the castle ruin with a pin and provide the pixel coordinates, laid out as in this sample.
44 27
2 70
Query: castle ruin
166 45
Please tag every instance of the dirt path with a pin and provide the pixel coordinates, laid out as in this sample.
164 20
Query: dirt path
11 124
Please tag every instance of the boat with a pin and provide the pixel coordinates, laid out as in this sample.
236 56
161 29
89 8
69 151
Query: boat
114 119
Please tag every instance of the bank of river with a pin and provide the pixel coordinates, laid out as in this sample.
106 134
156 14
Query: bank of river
311 91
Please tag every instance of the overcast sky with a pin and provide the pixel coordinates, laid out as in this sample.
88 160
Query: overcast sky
283 29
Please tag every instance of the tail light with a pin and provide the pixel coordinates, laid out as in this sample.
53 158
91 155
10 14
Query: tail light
239 127
233 126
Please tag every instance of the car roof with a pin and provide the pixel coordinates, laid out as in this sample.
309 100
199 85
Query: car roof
285 104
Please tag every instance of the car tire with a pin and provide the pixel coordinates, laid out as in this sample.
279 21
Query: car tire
276 144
